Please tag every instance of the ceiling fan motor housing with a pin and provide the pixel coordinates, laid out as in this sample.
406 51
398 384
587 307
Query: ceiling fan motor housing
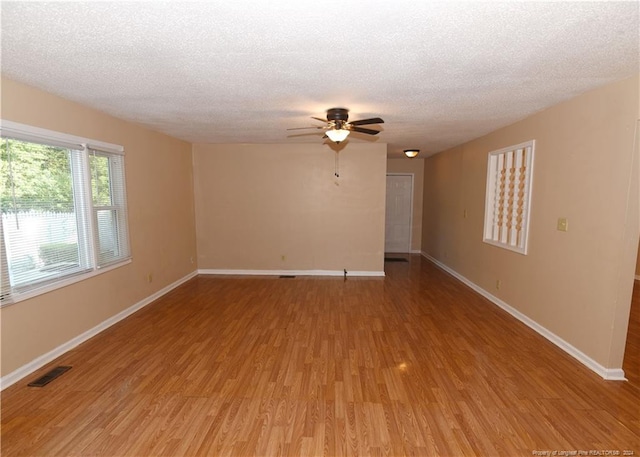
338 114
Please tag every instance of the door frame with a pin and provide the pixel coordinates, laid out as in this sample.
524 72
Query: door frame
412 176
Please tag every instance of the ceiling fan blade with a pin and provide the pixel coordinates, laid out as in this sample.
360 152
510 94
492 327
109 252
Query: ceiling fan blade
304 128
373 120
318 119
363 130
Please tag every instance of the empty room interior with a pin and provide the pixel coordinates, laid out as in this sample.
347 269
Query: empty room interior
320 228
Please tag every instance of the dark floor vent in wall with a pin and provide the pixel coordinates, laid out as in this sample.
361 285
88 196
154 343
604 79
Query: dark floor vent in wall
287 277
395 259
49 376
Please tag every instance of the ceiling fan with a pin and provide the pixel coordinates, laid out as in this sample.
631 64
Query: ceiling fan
338 127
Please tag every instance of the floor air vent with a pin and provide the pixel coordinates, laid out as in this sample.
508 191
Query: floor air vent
395 259
287 277
48 377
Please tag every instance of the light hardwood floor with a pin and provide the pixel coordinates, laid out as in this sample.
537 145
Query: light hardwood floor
412 364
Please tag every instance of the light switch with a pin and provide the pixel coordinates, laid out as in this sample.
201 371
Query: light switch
563 224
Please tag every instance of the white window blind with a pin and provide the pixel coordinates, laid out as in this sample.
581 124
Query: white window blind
508 197
63 209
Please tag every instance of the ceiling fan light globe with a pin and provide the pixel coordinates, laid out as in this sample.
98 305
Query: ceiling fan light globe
337 135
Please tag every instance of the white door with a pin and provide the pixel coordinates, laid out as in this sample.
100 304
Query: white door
398 213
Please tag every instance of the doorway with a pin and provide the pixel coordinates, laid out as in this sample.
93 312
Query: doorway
398 213
631 363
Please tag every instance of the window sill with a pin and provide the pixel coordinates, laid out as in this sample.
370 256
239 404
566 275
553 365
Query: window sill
26 295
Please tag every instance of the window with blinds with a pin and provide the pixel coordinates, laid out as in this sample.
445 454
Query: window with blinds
508 197
64 214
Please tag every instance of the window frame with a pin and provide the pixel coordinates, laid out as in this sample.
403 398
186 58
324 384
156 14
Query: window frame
81 176
492 196
118 205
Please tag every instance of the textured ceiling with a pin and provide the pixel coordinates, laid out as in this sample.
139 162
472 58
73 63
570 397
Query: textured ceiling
438 73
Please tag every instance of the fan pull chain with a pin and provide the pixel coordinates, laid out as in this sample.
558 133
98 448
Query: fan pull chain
337 166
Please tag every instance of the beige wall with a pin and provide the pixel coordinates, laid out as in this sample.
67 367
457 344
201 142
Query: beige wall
576 284
415 167
161 224
258 203
638 262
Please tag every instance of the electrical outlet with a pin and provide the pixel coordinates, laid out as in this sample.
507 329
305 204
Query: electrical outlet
149 277
498 284
191 259
464 214
283 257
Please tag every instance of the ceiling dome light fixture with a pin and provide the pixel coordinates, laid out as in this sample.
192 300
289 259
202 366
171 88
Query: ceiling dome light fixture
337 135
411 153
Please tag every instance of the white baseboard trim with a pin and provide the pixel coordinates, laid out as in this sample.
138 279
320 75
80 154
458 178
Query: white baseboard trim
610 374
290 272
42 360
416 251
